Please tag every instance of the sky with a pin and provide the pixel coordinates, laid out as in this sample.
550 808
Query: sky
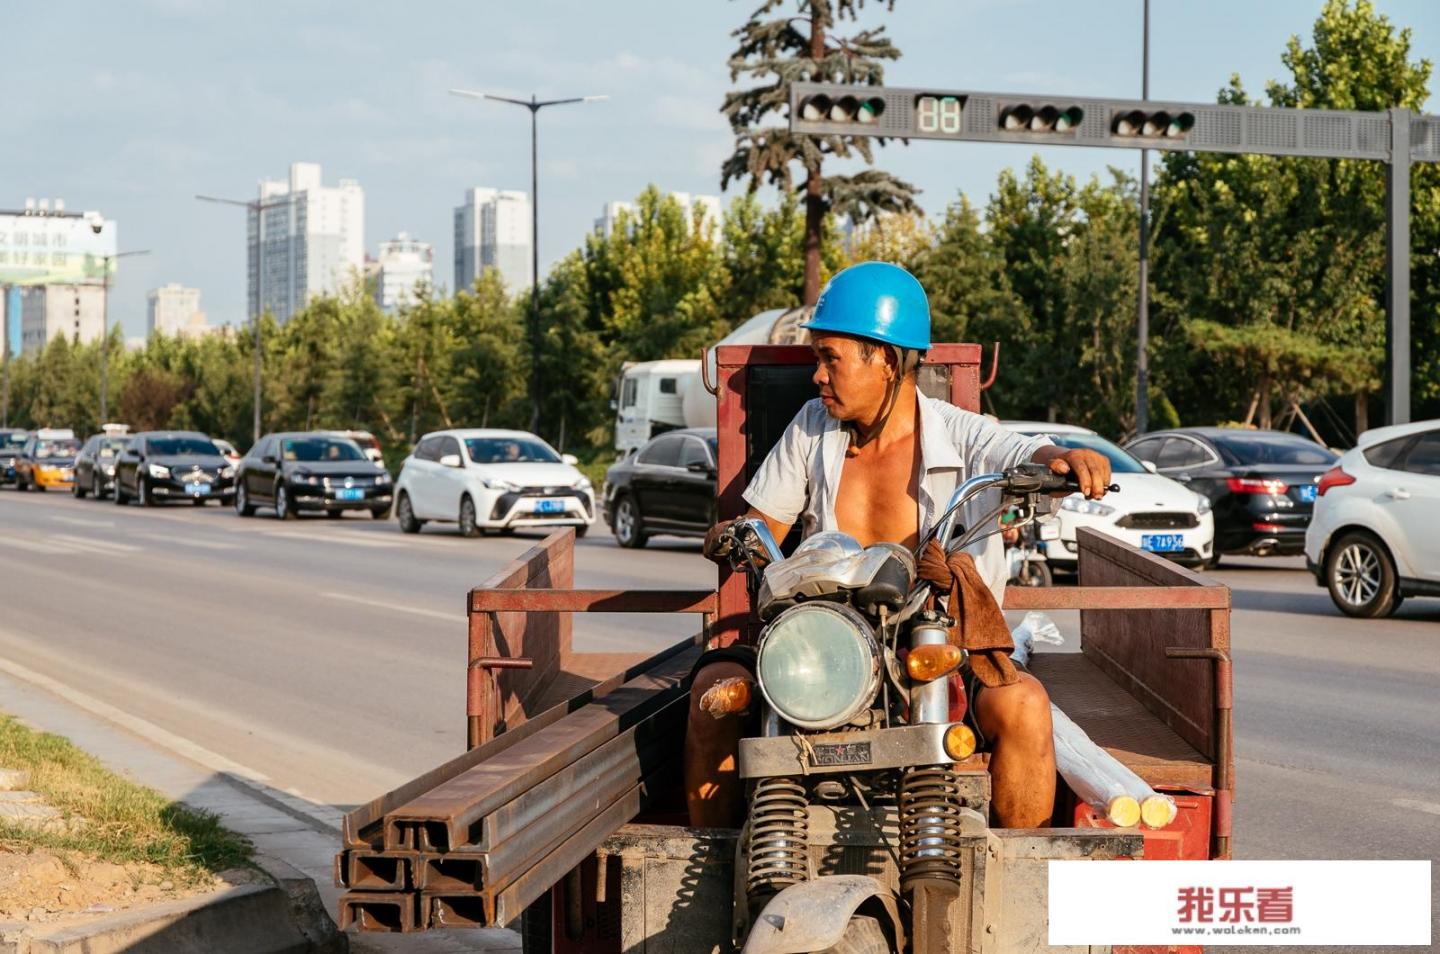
133 108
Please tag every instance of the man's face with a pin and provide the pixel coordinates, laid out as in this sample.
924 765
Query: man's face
852 386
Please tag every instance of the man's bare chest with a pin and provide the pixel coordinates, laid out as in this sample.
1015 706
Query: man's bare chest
878 497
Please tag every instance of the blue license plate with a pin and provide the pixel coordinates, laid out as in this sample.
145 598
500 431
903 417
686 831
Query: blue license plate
549 506
1162 542
1307 493
199 490
350 493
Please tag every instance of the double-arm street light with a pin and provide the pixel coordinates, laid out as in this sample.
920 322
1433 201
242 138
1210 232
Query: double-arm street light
259 207
105 331
534 105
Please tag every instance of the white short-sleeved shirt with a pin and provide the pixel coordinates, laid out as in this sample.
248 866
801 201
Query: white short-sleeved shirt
800 478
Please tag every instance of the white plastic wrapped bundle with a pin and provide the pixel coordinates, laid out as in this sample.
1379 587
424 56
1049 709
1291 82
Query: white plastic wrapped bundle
1102 782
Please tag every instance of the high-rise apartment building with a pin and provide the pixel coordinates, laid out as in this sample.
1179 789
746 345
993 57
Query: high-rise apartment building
52 311
403 264
492 231
312 239
174 309
711 212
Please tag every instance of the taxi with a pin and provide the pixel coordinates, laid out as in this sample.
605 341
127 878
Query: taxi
47 460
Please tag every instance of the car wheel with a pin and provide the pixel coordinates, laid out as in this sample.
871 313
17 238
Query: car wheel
1213 562
142 493
283 510
97 487
76 490
406 516
243 506
468 527
1361 577
121 497
629 527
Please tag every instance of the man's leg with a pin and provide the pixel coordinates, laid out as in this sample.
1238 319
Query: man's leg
1016 720
713 791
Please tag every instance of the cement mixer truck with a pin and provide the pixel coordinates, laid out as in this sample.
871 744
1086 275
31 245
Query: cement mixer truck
652 397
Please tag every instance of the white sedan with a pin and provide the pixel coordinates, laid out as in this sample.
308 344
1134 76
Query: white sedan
1372 540
491 480
1149 511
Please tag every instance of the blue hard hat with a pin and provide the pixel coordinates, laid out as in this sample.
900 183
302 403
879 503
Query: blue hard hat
878 301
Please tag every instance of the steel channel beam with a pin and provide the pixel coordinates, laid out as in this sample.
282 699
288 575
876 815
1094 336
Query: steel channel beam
509 900
452 909
363 827
378 911
449 813
380 871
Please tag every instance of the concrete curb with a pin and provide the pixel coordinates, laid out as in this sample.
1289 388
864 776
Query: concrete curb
285 917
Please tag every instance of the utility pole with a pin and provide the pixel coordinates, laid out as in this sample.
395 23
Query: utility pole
1142 314
105 332
534 330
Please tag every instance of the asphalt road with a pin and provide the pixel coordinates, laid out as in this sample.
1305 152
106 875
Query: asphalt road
327 658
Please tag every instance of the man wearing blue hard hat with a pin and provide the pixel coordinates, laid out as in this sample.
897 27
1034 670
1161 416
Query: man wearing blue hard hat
874 458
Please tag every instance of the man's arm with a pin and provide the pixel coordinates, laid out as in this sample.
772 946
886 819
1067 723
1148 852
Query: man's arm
1091 468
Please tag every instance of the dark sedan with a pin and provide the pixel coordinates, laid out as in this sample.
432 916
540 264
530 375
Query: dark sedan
11 443
1261 484
667 486
95 465
311 470
157 466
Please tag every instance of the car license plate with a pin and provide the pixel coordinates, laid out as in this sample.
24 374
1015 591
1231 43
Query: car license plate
350 493
1162 542
199 490
549 506
1307 493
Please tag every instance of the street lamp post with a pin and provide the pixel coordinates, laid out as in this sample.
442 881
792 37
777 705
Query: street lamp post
105 331
258 206
1142 314
534 105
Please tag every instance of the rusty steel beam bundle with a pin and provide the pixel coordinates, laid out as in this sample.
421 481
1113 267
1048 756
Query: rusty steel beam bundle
450 814
363 828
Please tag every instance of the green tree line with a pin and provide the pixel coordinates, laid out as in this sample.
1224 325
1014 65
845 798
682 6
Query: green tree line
1267 299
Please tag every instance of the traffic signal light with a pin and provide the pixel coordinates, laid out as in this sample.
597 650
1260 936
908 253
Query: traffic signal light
841 109
1040 118
1160 124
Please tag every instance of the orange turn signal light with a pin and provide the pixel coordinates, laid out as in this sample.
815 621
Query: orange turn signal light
931 662
959 742
726 697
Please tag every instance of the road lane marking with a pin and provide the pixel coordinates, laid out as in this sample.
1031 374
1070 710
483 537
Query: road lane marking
1430 808
189 542
84 543
82 521
165 739
336 538
48 548
396 607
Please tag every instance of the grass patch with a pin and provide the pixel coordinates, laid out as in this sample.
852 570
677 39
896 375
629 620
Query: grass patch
124 822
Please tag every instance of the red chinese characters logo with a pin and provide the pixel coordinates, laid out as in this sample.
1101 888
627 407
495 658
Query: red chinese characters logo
1237 905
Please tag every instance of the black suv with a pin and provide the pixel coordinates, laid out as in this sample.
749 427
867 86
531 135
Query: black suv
157 466
667 486
12 441
311 470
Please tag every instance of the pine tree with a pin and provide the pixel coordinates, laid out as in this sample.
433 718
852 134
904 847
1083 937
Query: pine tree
776 51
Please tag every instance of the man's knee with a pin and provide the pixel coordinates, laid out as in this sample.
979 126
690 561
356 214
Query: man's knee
1018 712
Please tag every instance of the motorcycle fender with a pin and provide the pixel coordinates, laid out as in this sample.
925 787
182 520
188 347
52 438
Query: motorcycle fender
812 915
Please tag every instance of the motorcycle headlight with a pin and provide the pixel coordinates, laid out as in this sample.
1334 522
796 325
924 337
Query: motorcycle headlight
159 471
819 665
1079 504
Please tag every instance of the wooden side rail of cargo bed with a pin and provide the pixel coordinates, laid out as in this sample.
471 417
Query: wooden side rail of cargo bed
521 653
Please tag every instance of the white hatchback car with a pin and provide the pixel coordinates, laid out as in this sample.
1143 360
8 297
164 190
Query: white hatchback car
1149 511
491 480
1373 539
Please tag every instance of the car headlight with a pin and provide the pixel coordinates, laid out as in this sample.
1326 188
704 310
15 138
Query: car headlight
227 471
305 477
159 471
1079 504
819 665
1202 506
495 483
110 471
582 484
382 478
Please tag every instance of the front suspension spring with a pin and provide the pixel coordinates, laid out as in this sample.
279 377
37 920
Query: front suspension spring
929 824
779 853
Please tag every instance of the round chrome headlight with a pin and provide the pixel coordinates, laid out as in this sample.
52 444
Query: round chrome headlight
819 665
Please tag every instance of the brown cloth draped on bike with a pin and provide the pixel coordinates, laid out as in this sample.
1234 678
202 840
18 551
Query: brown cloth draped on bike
979 626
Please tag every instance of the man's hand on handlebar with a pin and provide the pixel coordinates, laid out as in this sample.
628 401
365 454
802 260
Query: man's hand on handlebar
718 542
1090 469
